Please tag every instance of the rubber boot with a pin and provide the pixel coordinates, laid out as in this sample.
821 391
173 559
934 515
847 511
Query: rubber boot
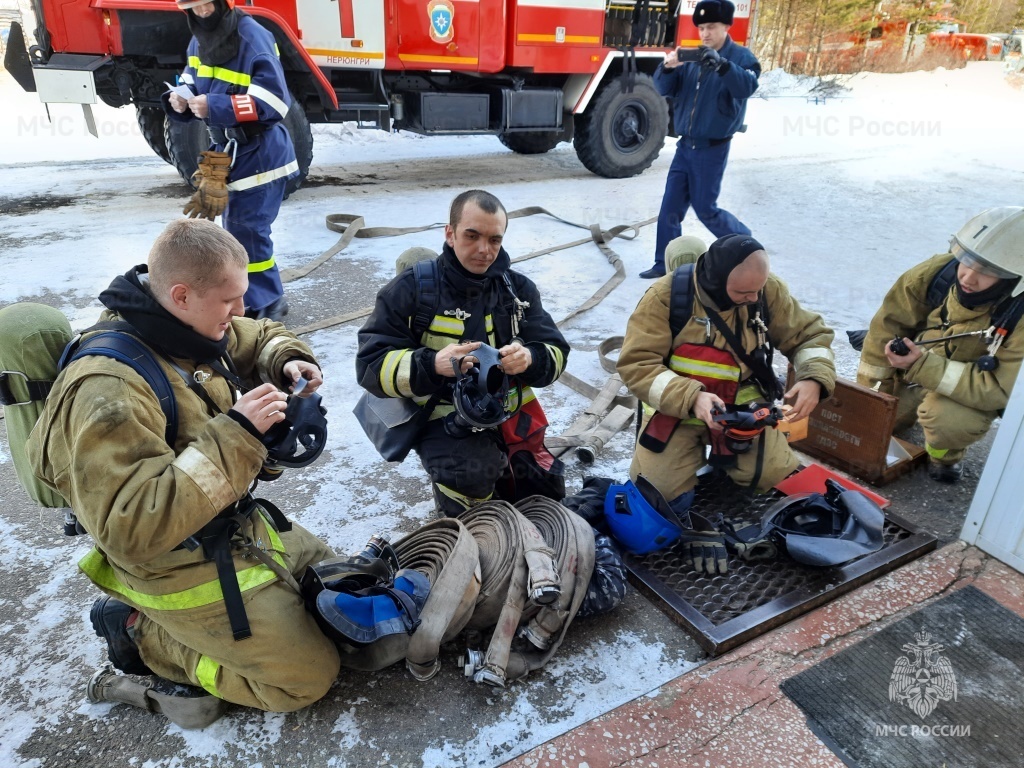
185 711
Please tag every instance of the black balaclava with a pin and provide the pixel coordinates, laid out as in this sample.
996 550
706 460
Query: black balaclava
217 34
724 255
129 297
990 294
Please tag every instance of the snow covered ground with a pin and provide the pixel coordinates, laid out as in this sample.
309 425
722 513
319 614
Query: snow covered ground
845 193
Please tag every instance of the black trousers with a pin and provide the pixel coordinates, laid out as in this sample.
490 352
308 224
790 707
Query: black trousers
463 470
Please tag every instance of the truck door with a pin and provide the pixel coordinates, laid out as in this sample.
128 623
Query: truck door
343 33
447 34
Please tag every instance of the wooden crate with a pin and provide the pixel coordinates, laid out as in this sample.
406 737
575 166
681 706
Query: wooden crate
851 431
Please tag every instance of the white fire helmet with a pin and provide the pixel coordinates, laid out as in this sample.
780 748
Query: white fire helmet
993 243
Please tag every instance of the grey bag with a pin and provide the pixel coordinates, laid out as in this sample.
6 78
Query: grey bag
393 424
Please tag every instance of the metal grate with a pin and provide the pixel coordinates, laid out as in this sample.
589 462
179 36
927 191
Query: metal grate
723 611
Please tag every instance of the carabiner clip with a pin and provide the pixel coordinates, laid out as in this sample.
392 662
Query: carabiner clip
232 148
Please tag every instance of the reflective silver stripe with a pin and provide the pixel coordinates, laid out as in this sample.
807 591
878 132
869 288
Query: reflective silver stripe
266 355
207 475
805 355
263 178
658 388
874 372
268 98
951 377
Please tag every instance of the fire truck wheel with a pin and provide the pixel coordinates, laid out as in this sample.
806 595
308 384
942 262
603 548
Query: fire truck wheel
531 142
186 140
621 134
151 123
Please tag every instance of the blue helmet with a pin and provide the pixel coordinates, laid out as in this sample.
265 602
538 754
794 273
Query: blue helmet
640 518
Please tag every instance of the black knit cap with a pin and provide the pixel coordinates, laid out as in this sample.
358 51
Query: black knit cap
713 11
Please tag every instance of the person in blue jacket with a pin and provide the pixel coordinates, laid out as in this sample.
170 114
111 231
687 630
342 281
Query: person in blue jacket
240 93
709 102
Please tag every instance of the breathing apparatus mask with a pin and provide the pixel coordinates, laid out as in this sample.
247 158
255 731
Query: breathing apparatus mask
299 439
360 599
480 395
742 423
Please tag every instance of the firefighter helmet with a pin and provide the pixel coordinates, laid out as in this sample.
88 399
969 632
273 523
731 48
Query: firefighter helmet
684 250
640 518
993 243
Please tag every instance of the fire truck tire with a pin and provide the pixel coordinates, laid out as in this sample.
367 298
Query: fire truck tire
151 123
185 141
531 142
621 134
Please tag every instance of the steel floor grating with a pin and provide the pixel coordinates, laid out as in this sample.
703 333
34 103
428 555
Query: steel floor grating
723 611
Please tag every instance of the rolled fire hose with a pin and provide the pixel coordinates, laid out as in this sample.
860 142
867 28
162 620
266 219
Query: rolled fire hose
517 567
447 554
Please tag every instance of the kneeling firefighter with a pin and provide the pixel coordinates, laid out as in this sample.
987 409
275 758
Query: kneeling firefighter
698 352
200 577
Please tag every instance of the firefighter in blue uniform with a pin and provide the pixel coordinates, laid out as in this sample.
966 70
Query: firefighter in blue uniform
241 94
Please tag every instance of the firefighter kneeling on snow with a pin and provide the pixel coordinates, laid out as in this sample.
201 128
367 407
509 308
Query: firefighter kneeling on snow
196 572
698 348
944 341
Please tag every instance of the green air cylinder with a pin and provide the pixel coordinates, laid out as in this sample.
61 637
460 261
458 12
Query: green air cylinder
32 337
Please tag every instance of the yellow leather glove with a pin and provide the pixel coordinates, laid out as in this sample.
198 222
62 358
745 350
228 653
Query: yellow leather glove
211 179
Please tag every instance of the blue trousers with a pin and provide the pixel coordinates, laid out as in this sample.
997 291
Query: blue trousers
695 179
249 216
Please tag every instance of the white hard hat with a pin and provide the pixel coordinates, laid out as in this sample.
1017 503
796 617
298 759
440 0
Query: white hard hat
184 5
993 243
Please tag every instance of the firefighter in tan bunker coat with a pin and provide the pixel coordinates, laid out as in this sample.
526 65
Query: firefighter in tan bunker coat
953 388
683 376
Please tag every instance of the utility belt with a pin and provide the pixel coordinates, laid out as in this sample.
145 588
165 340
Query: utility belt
694 143
216 539
240 134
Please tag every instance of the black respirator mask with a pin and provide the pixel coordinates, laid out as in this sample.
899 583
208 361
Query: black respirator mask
298 440
480 395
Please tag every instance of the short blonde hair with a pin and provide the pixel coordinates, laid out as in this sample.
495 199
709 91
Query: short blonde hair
194 252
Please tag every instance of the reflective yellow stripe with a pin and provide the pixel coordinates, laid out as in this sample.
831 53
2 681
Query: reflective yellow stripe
936 453
489 324
261 266
448 326
464 501
557 358
96 567
748 394
218 73
388 371
206 674
100 572
690 367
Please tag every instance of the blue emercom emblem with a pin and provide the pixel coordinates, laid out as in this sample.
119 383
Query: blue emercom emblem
442 20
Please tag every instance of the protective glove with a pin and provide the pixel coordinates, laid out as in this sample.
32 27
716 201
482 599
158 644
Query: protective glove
747 543
211 179
704 546
711 59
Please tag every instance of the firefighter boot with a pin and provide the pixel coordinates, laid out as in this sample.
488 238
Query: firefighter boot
193 708
110 619
945 473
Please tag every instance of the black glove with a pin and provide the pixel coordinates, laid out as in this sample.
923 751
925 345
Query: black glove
711 59
704 546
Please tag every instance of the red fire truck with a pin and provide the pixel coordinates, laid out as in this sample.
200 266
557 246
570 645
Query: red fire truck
531 72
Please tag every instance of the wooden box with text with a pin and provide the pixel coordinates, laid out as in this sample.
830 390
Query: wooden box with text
852 430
